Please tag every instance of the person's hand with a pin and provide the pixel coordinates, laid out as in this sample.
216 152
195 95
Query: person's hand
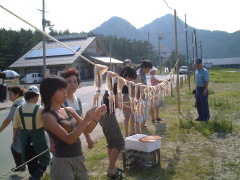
14 138
52 149
204 93
101 110
194 91
91 113
90 142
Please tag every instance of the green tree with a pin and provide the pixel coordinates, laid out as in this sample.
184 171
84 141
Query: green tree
15 44
171 61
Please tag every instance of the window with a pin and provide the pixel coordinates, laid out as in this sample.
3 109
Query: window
33 70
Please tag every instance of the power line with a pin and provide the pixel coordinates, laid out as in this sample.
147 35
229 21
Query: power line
180 24
167 5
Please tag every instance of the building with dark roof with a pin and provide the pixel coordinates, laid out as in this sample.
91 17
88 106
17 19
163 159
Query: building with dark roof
59 57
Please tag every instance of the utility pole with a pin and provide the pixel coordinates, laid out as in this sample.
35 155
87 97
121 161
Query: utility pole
193 46
149 48
176 46
188 74
193 56
201 48
160 62
110 54
195 37
44 39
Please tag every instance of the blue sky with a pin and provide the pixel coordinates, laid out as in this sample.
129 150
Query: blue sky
79 15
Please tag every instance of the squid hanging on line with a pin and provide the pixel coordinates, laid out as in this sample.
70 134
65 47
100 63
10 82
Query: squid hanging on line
151 101
121 82
131 94
99 70
158 96
143 101
109 87
137 104
167 88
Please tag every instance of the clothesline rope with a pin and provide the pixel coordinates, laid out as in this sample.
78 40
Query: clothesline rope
23 164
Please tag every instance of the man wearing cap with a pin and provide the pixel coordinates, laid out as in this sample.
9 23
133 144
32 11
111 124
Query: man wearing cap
202 79
127 62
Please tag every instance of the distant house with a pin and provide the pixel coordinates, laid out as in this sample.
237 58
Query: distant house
233 62
58 57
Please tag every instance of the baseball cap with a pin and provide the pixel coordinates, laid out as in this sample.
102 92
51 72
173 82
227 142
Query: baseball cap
33 88
153 69
198 61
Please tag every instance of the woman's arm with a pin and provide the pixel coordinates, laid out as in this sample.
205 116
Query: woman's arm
50 123
155 80
5 124
52 144
8 119
92 124
87 135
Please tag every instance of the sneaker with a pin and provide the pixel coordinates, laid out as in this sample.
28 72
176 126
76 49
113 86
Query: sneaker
118 175
159 119
38 173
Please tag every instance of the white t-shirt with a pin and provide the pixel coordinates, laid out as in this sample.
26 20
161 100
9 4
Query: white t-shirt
73 104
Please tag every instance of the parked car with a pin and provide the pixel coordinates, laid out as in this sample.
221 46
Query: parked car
32 78
183 70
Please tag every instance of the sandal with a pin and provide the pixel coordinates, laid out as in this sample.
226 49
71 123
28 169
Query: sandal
118 174
159 119
119 169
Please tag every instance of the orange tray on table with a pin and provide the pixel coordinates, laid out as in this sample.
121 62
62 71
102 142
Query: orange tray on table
149 138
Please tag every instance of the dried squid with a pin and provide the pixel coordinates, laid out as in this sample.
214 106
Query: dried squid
121 82
99 70
109 87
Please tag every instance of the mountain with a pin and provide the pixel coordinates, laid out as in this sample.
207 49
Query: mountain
215 44
119 27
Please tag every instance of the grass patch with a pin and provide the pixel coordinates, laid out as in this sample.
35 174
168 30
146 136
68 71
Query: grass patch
221 103
224 76
216 125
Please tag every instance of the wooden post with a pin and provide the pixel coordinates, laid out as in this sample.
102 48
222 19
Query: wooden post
176 46
188 74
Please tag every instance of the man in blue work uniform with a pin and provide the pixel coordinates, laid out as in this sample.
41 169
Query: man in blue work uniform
202 80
